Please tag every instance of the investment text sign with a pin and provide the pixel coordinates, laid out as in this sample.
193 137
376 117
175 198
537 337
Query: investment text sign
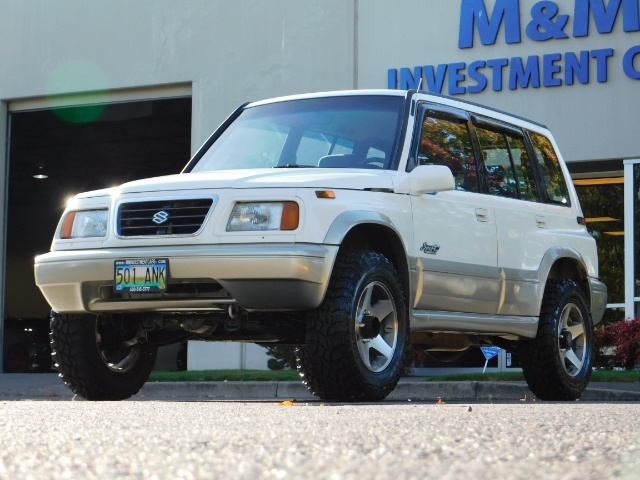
545 22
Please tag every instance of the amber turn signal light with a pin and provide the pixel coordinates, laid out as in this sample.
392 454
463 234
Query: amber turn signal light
325 194
67 225
290 216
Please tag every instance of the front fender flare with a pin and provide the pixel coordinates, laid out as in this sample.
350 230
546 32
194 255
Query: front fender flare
344 222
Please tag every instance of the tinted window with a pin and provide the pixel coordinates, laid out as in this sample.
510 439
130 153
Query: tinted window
527 185
501 178
314 145
508 166
554 182
332 132
446 141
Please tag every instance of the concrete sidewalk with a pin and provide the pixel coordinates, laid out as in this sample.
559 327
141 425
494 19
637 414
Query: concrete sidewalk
42 386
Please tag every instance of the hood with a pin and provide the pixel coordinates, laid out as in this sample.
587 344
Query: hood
265 178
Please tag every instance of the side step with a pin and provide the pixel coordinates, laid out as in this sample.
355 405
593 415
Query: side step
473 323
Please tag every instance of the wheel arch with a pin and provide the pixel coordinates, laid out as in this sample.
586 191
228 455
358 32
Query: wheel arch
564 262
366 230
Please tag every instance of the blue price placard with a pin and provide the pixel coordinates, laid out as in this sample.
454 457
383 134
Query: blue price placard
490 352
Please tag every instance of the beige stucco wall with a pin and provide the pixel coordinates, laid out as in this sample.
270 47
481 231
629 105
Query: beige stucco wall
590 122
230 52
221 52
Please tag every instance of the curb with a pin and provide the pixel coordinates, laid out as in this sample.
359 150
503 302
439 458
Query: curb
405 391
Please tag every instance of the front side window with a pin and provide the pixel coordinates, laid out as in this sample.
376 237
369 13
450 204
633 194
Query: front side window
331 132
446 141
554 182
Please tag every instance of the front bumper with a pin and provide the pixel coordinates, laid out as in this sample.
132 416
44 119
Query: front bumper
259 277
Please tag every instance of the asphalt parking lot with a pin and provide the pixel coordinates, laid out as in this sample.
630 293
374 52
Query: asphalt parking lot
296 440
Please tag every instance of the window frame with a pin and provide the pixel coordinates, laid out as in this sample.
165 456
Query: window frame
542 188
455 114
474 121
513 131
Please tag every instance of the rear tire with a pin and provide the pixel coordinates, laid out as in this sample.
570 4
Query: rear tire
356 338
557 363
94 359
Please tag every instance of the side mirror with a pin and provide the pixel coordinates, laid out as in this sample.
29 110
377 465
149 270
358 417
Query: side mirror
431 179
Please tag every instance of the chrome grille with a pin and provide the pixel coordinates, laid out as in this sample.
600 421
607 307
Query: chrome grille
162 217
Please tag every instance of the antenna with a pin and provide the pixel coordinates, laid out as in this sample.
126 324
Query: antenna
420 84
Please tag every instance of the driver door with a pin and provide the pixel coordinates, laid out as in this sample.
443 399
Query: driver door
455 239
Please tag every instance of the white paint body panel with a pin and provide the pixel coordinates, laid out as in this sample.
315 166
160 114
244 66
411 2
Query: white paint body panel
483 258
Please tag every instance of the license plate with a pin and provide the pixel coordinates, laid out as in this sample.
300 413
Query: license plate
141 275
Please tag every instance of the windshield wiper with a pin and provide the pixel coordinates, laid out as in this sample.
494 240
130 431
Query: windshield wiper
293 165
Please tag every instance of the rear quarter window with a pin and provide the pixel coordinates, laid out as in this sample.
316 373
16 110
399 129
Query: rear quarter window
554 181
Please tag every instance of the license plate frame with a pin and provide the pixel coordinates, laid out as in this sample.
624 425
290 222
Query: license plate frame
140 275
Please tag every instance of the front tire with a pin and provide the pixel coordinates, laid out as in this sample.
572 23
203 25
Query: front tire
95 359
557 363
356 338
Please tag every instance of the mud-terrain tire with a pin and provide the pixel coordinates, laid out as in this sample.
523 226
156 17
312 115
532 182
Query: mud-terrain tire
92 360
557 363
356 338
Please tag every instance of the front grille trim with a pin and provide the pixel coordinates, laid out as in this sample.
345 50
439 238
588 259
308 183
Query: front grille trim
187 217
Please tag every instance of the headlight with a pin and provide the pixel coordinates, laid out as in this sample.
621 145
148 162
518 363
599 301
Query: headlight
249 217
84 224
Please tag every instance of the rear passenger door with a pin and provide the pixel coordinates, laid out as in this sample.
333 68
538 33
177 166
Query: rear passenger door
454 232
530 200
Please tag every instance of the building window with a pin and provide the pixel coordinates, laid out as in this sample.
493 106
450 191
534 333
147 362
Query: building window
602 201
636 223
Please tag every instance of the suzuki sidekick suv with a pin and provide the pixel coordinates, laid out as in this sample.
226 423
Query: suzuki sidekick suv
349 223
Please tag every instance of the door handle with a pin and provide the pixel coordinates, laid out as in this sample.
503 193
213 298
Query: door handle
482 215
541 221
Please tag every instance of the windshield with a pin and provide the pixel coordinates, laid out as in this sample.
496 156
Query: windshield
335 132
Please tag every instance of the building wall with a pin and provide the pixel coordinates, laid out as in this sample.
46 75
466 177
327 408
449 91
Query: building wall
226 356
592 121
70 52
232 52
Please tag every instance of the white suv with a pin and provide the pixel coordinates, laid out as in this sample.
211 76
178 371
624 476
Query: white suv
350 223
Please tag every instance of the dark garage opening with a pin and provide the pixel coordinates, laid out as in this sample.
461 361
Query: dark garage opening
54 154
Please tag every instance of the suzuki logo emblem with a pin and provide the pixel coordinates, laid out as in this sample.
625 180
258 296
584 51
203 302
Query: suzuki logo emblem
160 217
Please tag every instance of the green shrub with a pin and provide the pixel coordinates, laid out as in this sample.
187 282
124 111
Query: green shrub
284 357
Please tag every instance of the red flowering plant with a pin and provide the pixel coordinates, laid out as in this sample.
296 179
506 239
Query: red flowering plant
626 340
603 351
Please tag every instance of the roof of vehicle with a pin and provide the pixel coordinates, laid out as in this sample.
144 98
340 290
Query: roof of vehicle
337 93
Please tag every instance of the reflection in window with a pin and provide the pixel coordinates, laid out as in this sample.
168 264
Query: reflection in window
602 202
636 223
447 142
501 178
524 173
314 145
550 167
508 166
331 132
254 144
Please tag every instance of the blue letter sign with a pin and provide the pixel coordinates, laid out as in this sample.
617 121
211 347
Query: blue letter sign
473 13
